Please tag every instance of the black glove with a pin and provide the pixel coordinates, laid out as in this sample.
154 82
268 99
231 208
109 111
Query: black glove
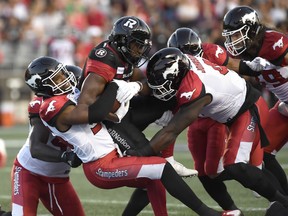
143 152
71 158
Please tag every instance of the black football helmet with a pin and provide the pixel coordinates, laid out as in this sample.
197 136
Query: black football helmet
165 71
186 40
240 26
130 30
40 74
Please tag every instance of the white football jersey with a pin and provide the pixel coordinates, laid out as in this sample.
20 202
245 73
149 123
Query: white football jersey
227 88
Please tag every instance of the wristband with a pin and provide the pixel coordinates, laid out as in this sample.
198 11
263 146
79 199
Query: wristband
244 69
141 85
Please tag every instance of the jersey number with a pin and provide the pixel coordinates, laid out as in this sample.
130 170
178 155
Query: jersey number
272 77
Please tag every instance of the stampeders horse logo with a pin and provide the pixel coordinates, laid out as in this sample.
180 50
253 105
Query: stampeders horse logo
33 80
187 95
33 103
51 107
279 43
172 70
219 51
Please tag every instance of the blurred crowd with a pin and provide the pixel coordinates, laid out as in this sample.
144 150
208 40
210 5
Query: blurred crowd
68 29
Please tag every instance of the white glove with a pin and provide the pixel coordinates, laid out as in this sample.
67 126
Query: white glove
165 119
258 64
127 90
122 110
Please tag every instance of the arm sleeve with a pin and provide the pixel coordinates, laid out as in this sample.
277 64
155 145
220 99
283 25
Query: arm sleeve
98 111
244 69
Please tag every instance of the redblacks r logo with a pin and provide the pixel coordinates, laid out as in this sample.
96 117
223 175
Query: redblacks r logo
100 53
130 23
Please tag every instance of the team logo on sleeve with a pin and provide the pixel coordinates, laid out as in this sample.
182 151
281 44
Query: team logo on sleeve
187 95
279 43
218 51
33 103
100 53
51 107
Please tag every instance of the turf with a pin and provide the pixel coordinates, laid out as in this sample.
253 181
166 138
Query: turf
112 202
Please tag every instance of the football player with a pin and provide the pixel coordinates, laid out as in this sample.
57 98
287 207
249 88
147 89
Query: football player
208 90
247 39
120 57
42 166
102 162
206 137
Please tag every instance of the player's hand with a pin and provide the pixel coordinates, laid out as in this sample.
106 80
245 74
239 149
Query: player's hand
258 64
143 152
122 110
127 90
71 158
165 118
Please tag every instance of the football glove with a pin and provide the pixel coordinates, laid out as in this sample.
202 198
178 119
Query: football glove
127 90
122 111
258 64
71 159
165 119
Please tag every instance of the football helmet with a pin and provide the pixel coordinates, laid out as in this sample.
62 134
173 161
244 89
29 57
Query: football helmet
186 40
132 38
240 26
165 71
40 77
76 70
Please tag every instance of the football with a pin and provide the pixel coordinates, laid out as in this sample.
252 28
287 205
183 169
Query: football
116 106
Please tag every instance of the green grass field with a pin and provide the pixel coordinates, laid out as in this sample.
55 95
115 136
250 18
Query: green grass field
111 202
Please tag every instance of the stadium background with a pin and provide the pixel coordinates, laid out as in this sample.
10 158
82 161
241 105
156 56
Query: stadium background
31 28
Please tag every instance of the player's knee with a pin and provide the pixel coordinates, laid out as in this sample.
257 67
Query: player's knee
249 176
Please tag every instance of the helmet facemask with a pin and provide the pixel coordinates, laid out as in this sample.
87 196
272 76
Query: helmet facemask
236 46
136 50
163 92
59 88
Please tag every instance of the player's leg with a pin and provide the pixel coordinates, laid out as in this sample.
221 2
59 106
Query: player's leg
140 171
237 155
60 198
206 141
276 130
138 201
25 191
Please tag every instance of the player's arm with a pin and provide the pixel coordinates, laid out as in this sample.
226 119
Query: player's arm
233 64
139 75
93 86
181 120
83 114
38 142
